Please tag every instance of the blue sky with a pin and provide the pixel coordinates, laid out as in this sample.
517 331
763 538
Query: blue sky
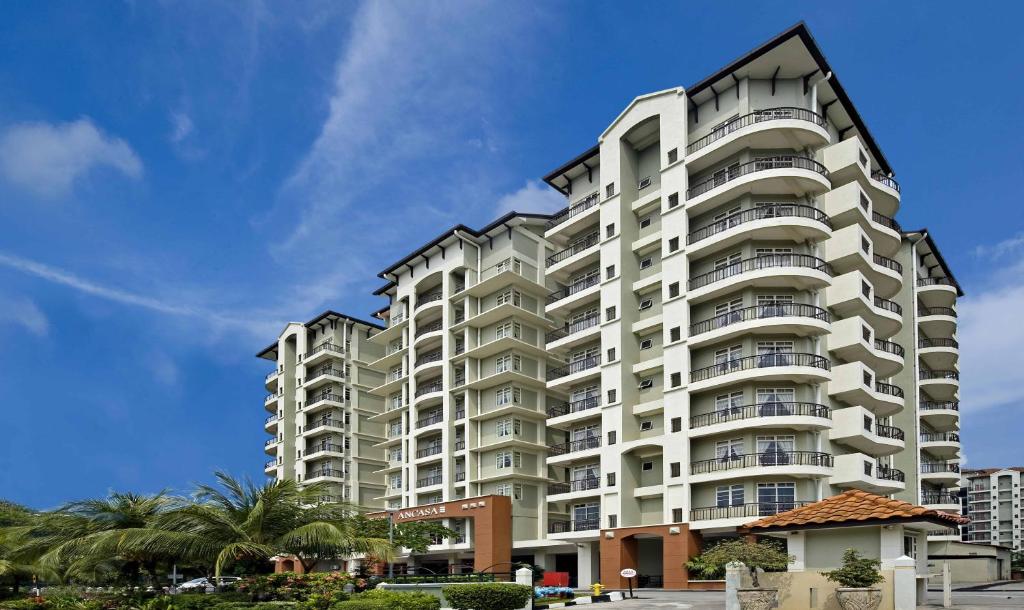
178 179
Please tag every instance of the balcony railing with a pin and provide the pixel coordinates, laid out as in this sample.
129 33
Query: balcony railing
460 445
578 485
889 347
888 263
575 209
886 221
590 442
780 210
759 362
888 389
271 419
936 311
758 460
432 480
271 375
270 464
573 367
760 165
428 387
324 347
428 451
760 312
430 297
925 342
940 437
889 432
322 396
429 420
270 441
929 374
460 413
751 509
325 447
767 409
760 116
571 289
888 305
270 397
949 405
460 476
573 328
578 246
939 467
575 406
433 356
935 281
326 472
886 180
333 423
423 329
325 370
768 261
890 474
577 525
940 498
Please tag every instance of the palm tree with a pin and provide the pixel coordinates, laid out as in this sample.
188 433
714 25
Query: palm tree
240 521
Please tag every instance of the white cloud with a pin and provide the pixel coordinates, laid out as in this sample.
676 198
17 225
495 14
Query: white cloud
47 159
990 336
23 312
181 125
535 196
1000 249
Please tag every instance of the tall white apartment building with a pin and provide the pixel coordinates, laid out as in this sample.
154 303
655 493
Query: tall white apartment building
993 503
725 322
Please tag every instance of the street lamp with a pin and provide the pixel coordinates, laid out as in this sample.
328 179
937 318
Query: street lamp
391 540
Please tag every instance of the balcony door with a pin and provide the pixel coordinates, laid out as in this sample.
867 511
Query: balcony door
729 450
774 353
729 495
775 401
728 405
775 450
728 313
773 498
728 358
586 516
773 305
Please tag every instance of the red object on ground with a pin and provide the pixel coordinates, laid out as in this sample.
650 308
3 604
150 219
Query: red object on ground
555 579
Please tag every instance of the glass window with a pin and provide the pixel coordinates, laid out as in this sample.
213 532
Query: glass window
729 495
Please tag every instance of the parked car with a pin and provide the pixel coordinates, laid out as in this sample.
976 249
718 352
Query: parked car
207 584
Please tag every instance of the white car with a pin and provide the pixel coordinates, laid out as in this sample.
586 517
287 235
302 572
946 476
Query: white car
207 584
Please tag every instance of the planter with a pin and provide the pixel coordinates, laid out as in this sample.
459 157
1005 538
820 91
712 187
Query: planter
758 599
858 599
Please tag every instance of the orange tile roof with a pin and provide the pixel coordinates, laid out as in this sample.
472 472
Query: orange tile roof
853 506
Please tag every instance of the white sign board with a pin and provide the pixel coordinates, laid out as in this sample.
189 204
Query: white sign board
628 573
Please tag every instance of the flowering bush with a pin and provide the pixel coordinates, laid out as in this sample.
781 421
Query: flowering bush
327 586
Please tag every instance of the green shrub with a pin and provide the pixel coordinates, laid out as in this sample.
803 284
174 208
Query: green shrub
362 604
256 606
488 596
857 572
25 603
205 601
289 586
401 600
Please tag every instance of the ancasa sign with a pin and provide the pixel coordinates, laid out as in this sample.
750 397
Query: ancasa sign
430 511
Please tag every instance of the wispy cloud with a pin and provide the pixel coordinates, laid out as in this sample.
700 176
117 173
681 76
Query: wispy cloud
23 312
535 196
990 336
181 126
47 159
1000 249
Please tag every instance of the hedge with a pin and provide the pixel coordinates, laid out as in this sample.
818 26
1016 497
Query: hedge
488 596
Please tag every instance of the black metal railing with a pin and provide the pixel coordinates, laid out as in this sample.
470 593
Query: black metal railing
939 498
324 447
948 405
427 358
423 329
460 476
432 480
578 485
571 289
575 248
575 406
890 474
926 342
323 423
767 261
428 387
888 263
325 370
760 165
322 396
759 116
573 367
758 460
429 420
889 432
886 221
936 311
324 347
573 328
428 451
938 467
327 472
573 210
430 297
760 312
889 347
590 442
888 305
271 419
930 374
766 409
750 509
460 445
940 437
924 282
576 525
888 389
779 210
886 180
758 362
460 413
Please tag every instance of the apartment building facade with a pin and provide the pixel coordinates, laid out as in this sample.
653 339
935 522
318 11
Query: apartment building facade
992 501
725 322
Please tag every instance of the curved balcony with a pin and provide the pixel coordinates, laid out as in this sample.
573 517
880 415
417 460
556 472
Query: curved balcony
886 233
565 413
323 399
800 271
941 501
855 384
942 473
325 473
783 127
790 415
791 367
429 420
270 381
767 318
940 385
323 352
860 471
569 216
581 330
429 451
745 512
774 222
885 192
322 425
944 415
937 291
941 444
323 375
270 424
271 465
270 447
937 322
577 449
428 331
792 463
888 357
429 359
428 391
573 294
579 254
587 484
574 371
938 354
778 175
888 274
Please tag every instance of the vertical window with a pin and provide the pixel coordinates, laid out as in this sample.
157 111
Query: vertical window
729 495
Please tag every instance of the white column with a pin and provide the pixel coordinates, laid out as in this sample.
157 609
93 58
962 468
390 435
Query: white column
588 570
733 582
796 546
891 545
904 584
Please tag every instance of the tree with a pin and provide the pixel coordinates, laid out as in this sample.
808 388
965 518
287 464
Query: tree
764 554
413 535
12 567
858 572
